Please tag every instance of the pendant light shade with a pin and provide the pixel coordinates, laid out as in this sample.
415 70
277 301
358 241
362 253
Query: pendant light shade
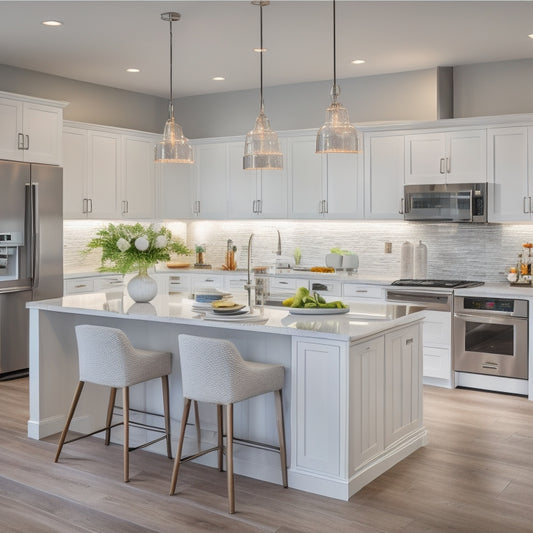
261 148
174 147
337 135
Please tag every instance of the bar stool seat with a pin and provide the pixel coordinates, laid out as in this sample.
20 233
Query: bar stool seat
106 357
214 371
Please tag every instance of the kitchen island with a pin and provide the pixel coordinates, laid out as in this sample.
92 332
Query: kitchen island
352 393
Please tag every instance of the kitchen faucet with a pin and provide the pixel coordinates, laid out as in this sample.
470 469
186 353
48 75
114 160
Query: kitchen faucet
248 285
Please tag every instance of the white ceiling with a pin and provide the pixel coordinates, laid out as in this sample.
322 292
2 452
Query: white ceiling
99 39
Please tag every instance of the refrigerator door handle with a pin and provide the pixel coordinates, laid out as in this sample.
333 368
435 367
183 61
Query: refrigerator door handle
35 236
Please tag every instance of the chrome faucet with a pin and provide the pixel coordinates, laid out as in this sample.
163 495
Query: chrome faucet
249 285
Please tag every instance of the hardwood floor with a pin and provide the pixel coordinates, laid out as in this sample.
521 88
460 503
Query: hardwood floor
475 475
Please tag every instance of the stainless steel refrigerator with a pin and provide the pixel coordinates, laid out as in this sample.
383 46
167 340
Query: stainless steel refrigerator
31 253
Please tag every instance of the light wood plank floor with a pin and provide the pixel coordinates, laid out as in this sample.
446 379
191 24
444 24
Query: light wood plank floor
476 475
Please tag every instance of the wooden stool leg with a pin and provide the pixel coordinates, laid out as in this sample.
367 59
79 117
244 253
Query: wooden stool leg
177 459
109 418
197 424
166 410
220 428
229 457
75 400
281 435
126 417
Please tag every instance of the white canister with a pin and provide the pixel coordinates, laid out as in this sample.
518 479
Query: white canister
421 261
406 260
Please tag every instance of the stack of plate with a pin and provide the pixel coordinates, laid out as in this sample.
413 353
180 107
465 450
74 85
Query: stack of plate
204 297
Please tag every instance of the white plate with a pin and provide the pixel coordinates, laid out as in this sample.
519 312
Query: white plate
318 311
248 317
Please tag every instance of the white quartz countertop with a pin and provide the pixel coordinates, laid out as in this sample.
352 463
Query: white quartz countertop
363 320
495 290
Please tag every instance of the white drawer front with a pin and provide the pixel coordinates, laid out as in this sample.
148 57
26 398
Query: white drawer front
107 283
357 290
78 286
287 284
326 288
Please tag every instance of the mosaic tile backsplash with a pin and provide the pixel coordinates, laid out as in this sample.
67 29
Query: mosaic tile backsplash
455 251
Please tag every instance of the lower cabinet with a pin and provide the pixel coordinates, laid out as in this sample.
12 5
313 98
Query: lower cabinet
93 284
363 404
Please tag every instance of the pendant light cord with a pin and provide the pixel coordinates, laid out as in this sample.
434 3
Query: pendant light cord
334 90
171 103
261 51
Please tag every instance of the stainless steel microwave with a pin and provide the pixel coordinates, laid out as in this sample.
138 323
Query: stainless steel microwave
451 202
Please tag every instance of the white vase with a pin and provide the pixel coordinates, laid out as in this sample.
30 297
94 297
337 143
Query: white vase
142 288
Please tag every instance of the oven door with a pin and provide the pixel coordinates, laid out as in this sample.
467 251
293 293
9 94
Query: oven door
489 344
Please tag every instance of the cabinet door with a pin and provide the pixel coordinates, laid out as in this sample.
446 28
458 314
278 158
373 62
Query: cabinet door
10 127
403 390
366 412
319 378
243 191
211 181
425 158
273 189
174 190
508 194
43 126
384 176
138 181
344 196
75 173
104 174
306 194
466 156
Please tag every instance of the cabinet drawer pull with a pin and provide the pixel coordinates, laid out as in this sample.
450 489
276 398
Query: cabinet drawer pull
409 341
448 165
90 200
20 141
361 290
27 143
442 168
80 286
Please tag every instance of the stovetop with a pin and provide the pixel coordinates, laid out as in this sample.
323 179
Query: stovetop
442 283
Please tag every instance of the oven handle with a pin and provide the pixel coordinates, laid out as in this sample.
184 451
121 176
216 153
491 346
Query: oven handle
490 319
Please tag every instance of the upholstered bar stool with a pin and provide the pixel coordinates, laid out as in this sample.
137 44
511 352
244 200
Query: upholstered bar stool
106 357
213 371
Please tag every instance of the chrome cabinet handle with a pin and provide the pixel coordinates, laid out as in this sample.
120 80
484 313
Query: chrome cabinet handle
254 208
85 206
409 341
525 209
90 203
442 165
325 210
125 207
20 141
361 290
402 207
448 165
196 207
259 206
27 143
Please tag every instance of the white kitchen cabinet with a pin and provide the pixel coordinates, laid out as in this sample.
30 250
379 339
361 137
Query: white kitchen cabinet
446 157
403 388
322 186
359 290
174 190
384 160
103 174
93 284
255 193
211 184
510 174
30 129
137 184
326 288
205 281
75 172
437 349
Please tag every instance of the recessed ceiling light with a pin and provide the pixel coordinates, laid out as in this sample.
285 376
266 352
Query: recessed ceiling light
530 35
358 61
52 23
133 70
218 78
260 49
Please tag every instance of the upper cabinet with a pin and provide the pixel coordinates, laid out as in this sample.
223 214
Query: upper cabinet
174 190
210 185
384 175
446 157
322 186
255 193
107 173
510 174
30 129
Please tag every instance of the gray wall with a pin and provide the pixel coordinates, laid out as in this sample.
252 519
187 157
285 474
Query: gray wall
403 96
478 90
89 102
499 88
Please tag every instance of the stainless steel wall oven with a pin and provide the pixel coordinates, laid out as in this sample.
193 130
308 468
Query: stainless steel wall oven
491 336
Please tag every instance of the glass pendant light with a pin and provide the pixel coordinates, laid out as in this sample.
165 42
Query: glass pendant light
261 148
174 147
337 135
